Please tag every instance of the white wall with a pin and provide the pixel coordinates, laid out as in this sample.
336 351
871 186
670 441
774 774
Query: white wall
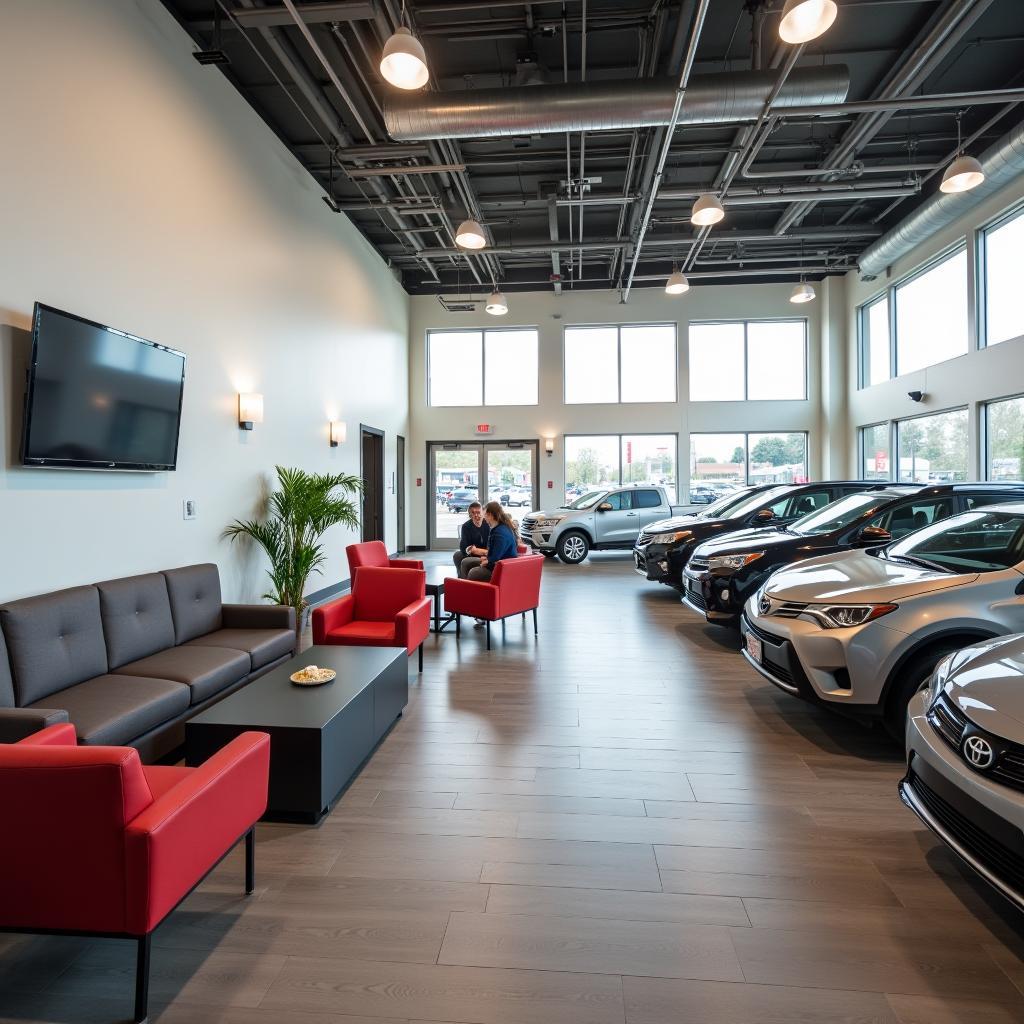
140 190
968 380
549 313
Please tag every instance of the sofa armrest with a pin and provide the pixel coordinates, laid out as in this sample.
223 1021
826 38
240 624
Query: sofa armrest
471 597
172 844
17 723
412 624
257 616
332 615
405 563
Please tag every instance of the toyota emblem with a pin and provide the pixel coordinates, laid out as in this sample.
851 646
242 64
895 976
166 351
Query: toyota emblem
978 752
764 606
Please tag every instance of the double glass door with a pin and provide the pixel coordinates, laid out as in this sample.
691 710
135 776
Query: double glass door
461 473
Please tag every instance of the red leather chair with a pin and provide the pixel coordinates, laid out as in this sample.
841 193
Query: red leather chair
375 553
97 844
514 589
387 608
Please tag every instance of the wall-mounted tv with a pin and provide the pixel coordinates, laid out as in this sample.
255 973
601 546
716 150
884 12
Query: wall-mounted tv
99 398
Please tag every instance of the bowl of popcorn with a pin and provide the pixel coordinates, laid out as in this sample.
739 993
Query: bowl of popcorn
311 675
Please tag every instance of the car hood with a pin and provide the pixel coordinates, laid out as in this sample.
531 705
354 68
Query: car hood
683 522
987 683
559 513
857 577
739 541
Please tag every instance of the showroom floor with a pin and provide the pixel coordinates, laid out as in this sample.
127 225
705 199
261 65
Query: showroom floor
618 821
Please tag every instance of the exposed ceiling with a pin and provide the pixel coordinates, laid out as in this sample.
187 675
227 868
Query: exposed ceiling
567 209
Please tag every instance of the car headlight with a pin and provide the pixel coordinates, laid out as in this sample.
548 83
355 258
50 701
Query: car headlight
671 537
839 616
733 562
939 677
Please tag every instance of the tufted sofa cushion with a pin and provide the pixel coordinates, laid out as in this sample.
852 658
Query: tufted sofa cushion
54 641
194 592
136 615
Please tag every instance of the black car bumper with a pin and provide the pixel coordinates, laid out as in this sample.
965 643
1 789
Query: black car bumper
657 563
712 594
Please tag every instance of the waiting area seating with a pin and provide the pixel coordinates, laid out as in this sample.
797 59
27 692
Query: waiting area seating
375 553
514 589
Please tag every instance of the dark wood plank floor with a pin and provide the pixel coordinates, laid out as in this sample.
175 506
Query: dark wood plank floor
615 823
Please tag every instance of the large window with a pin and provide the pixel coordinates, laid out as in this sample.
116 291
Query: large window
482 367
1002 245
876 456
933 448
754 360
596 461
1004 440
931 314
875 359
738 459
608 365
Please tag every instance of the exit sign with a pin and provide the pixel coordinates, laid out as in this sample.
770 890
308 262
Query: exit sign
485 428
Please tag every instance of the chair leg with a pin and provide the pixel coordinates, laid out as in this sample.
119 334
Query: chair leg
488 634
250 861
142 979
534 621
458 625
502 630
420 649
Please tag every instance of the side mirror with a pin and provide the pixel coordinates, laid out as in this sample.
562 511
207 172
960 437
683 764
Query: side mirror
872 535
605 506
764 515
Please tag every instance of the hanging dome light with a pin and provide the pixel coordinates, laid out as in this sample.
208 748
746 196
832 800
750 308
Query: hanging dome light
470 235
497 304
963 174
676 283
404 61
804 20
802 292
707 210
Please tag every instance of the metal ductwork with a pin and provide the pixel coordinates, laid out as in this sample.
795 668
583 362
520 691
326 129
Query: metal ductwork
1002 162
603 106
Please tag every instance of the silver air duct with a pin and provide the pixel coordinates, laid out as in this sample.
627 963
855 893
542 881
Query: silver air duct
1002 162
601 106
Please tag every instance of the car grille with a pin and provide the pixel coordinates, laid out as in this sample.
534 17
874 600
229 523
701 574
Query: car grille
528 523
1003 862
699 564
789 610
763 634
948 721
696 597
951 723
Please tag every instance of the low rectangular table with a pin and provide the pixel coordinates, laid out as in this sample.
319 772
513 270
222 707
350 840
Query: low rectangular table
437 576
319 735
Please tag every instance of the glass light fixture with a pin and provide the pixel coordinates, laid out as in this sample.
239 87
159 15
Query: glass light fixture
338 432
676 283
804 20
250 410
707 210
802 292
497 304
549 445
470 235
403 62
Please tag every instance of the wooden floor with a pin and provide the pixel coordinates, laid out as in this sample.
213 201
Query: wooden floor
615 822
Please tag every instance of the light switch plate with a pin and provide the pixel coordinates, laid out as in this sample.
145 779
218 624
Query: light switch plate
188 508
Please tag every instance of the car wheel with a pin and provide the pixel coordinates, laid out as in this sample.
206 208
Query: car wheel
913 678
573 547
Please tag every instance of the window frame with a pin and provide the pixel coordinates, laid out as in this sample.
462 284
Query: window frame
896 455
483 332
983 429
620 435
618 328
745 434
864 336
747 321
862 450
981 263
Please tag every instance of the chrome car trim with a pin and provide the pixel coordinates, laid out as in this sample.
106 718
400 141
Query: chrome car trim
788 687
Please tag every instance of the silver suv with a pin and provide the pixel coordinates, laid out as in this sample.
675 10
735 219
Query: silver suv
863 630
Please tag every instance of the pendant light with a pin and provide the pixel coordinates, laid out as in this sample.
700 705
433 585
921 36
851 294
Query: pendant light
707 210
497 304
403 62
804 20
964 173
676 283
470 235
802 292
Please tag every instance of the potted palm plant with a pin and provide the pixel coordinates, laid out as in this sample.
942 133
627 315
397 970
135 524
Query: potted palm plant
298 514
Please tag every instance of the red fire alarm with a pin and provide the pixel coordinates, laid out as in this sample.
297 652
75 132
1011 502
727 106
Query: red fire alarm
551 483
419 481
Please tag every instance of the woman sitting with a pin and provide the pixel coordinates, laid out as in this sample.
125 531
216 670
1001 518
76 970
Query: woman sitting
501 542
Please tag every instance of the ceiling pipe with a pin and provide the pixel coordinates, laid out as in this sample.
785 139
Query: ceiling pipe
602 106
935 101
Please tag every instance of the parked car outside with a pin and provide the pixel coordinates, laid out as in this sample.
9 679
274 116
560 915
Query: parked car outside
702 494
598 520
722 574
460 500
965 760
663 549
861 631
518 498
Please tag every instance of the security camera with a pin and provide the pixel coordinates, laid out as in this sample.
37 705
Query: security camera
916 396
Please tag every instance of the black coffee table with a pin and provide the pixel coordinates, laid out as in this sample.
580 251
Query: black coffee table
437 576
319 735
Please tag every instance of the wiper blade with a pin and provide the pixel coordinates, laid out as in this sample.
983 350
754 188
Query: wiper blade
922 562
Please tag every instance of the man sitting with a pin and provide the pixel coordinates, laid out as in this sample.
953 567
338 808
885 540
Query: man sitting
473 539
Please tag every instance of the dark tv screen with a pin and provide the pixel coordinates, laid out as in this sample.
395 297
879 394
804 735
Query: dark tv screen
99 398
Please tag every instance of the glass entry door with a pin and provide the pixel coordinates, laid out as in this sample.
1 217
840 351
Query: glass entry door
464 472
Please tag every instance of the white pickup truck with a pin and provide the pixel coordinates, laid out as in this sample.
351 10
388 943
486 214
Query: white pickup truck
596 521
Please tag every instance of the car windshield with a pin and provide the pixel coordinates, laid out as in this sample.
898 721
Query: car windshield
588 500
837 515
722 505
753 501
971 542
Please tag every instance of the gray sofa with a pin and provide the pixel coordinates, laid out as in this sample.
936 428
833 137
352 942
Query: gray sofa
129 661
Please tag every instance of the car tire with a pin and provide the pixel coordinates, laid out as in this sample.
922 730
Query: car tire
914 677
573 547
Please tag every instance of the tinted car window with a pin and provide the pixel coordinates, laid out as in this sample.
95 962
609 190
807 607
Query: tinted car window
723 504
971 542
584 501
805 504
913 516
756 501
979 500
619 501
646 499
838 514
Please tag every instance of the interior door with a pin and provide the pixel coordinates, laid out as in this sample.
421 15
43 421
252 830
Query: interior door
454 483
400 489
619 524
371 469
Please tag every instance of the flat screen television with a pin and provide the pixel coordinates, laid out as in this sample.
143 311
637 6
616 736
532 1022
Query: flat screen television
99 398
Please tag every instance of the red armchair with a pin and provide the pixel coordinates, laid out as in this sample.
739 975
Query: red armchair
98 844
387 608
514 589
374 553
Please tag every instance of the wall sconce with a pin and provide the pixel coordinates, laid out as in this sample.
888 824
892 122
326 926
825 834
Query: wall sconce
549 446
250 410
338 433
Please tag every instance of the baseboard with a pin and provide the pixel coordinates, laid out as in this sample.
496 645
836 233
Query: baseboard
335 590
416 547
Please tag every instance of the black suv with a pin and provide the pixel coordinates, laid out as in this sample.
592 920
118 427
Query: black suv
723 574
663 548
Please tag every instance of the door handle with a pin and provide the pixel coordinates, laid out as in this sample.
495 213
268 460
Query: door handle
632 513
